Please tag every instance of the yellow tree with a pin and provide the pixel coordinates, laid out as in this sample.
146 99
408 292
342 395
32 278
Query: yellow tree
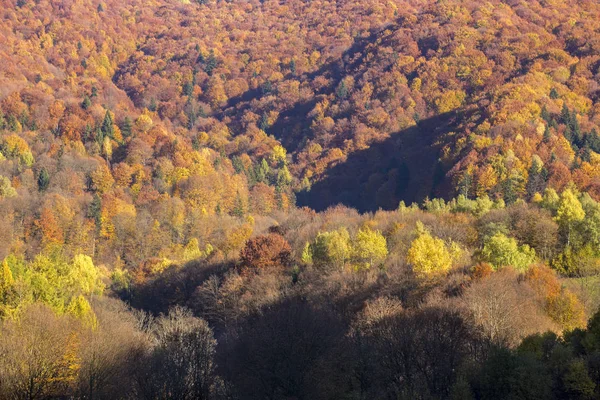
6 285
332 248
569 212
370 247
428 255
216 92
81 309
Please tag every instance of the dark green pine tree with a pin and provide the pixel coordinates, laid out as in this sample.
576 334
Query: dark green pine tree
593 140
342 90
576 129
211 63
188 88
263 124
108 128
545 114
94 211
127 127
43 179
153 106
565 115
238 165
86 103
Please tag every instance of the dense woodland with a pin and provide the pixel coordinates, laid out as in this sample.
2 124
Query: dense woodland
300 199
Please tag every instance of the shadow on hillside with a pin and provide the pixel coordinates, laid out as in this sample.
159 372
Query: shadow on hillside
175 286
293 126
403 167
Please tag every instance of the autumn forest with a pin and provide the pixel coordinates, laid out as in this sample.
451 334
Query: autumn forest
300 199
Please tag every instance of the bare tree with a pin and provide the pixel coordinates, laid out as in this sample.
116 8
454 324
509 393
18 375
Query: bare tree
181 364
504 308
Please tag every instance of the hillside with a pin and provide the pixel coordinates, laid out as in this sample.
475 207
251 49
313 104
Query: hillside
300 199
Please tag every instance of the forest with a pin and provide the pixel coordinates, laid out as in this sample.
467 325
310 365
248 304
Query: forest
300 199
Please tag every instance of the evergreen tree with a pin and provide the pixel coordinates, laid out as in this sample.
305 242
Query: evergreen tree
284 177
211 63
545 114
188 88
565 115
153 106
576 130
342 90
263 125
127 127
94 211
108 129
86 103
535 181
43 179
262 171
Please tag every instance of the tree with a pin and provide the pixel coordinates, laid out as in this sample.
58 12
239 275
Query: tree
182 362
278 156
43 179
266 252
535 181
331 249
34 364
95 211
80 308
501 251
107 149
6 189
127 127
504 309
216 92
577 381
416 353
284 177
111 353
211 63
262 171
369 247
86 103
143 123
238 208
84 277
7 282
108 129
101 180
428 255
569 213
